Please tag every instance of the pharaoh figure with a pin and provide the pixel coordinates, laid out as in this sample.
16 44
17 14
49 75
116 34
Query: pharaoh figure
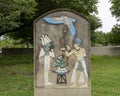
46 51
79 73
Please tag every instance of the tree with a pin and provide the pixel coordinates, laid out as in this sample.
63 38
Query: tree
10 43
109 37
100 39
94 24
115 8
83 6
14 14
23 35
115 40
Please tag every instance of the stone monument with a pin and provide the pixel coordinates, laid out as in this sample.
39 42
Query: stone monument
62 54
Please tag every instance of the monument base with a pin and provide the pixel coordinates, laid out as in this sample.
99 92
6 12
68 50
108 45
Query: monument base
62 91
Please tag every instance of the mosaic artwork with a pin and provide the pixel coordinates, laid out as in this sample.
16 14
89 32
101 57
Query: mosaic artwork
61 58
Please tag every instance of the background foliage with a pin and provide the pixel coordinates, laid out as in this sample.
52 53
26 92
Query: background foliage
21 13
16 18
15 13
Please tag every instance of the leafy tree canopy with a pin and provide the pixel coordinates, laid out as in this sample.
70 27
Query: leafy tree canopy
115 9
23 35
115 33
82 6
100 38
15 13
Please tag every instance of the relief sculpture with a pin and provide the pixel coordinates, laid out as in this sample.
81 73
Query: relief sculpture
64 65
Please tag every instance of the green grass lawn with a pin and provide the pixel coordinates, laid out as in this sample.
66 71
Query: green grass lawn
105 76
16 76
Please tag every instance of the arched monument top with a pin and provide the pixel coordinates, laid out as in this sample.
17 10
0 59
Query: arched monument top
58 10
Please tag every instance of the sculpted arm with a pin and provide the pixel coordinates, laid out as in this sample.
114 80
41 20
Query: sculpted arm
68 54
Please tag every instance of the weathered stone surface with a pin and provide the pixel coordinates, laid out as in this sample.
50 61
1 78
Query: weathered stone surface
59 39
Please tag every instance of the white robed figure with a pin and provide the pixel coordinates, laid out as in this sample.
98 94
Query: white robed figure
46 51
79 74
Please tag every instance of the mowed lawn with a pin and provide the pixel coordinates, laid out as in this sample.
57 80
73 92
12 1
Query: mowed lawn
16 76
105 76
